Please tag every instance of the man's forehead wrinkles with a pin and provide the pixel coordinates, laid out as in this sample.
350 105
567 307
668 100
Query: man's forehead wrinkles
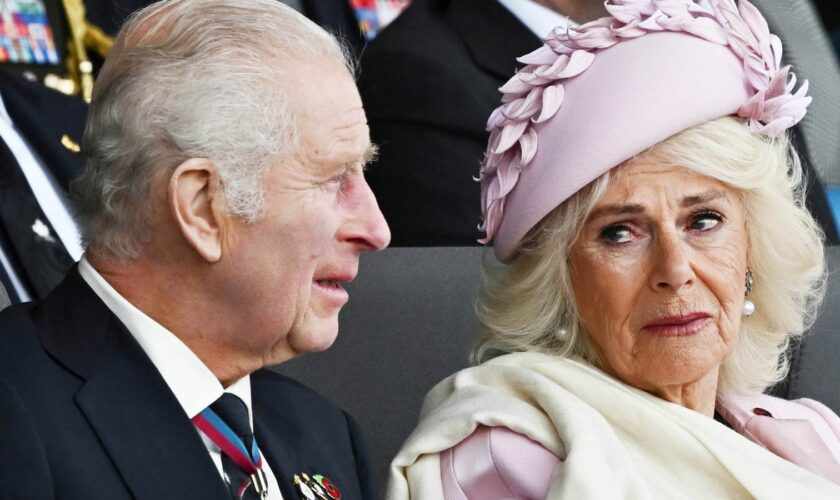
342 121
353 153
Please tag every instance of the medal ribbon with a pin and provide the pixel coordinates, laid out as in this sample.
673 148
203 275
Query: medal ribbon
218 431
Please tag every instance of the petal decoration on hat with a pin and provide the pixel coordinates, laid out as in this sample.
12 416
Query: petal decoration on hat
528 145
536 92
543 55
524 107
516 85
552 98
706 29
510 134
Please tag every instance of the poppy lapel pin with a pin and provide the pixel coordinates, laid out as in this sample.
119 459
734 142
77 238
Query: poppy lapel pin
315 487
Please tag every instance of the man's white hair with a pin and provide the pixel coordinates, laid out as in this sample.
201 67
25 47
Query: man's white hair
529 305
192 79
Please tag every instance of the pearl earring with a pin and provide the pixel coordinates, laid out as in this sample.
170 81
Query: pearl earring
749 306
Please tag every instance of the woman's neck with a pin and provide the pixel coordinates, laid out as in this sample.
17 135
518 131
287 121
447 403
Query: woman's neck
699 395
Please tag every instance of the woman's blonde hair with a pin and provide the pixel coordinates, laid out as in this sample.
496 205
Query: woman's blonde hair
529 305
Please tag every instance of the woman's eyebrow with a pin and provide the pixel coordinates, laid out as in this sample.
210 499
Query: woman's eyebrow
630 208
634 208
698 199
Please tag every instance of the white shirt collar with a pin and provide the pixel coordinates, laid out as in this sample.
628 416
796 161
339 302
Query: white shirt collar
539 19
4 115
193 384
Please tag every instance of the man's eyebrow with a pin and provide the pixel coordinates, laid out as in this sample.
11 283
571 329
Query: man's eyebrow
370 155
364 160
699 199
631 208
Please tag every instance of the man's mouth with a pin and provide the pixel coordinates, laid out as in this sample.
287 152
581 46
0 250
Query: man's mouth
330 287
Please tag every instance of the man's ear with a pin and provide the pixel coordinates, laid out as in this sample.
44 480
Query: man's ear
196 204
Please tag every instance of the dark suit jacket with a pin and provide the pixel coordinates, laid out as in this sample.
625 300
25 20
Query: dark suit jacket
42 116
84 414
429 82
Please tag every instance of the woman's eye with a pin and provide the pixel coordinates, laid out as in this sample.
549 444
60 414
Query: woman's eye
705 221
616 233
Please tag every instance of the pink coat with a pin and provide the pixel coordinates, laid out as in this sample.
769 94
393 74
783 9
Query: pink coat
496 462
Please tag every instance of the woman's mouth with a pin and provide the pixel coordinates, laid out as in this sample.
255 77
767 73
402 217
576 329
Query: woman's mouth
678 326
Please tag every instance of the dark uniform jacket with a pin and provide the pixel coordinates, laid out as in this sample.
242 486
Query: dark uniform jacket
52 124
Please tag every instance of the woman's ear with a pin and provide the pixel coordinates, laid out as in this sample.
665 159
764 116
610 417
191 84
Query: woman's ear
196 203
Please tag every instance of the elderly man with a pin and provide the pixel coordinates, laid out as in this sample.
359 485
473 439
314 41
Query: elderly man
223 207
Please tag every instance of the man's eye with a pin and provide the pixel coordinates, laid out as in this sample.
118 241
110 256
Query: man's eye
705 221
337 182
616 234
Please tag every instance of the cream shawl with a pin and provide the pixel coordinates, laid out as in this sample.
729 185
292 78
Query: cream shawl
618 441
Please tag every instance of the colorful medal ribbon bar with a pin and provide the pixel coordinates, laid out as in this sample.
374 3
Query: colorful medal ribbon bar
218 431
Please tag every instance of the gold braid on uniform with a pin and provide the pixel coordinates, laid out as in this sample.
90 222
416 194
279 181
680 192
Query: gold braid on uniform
83 36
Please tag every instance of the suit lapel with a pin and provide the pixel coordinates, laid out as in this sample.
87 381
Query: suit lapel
493 35
277 442
144 430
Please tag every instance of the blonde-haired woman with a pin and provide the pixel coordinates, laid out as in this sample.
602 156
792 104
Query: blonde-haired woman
655 262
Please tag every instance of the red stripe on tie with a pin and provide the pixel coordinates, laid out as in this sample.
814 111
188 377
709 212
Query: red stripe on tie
226 446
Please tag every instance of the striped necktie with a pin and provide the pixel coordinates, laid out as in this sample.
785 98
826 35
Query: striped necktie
226 423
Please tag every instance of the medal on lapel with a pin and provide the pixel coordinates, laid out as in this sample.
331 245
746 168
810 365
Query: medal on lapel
303 488
316 487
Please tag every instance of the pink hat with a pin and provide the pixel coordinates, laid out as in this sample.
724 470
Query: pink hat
597 95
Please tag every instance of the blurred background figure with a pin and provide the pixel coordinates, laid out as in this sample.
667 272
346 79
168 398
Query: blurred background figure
430 81
47 54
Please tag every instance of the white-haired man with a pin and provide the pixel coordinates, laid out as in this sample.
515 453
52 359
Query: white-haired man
223 206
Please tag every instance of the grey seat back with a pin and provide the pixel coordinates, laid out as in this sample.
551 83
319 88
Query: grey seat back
407 326
815 366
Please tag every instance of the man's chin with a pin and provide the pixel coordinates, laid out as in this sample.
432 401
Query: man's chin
315 338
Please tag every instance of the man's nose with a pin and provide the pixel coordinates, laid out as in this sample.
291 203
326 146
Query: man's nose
671 268
366 227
